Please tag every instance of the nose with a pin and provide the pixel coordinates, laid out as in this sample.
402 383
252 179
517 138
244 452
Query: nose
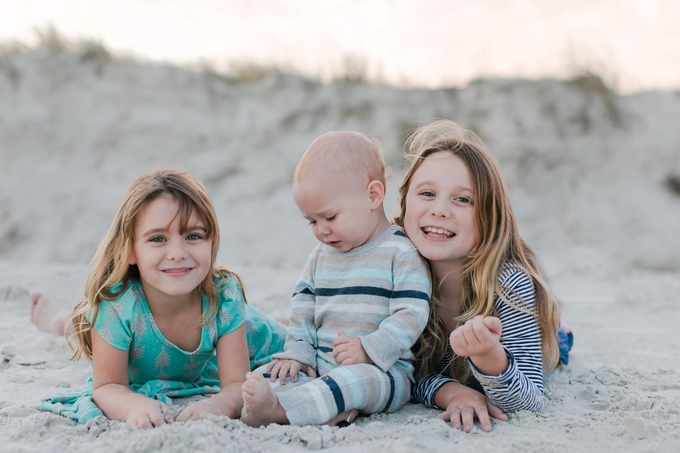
440 208
176 250
323 229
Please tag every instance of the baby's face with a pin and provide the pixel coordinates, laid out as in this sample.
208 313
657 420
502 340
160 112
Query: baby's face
340 215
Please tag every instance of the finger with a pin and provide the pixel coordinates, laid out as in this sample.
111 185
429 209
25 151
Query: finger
285 368
311 372
494 325
341 333
496 412
156 418
483 417
276 369
294 368
271 365
446 416
468 418
454 418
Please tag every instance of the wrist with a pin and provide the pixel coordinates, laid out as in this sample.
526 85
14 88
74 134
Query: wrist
493 362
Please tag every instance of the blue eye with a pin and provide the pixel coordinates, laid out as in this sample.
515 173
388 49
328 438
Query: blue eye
194 237
427 193
462 199
157 239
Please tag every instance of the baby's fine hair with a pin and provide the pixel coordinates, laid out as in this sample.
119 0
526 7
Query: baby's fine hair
109 265
498 243
354 156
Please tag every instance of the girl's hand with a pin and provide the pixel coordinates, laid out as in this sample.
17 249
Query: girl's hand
466 404
288 367
195 410
348 350
152 414
479 340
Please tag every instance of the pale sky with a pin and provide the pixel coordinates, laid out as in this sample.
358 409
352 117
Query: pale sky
633 44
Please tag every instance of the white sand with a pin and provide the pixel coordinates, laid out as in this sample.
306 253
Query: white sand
586 171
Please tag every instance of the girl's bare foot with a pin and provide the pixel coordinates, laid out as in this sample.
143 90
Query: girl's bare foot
260 405
47 315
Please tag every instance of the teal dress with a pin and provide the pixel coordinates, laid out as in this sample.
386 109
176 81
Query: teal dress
157 368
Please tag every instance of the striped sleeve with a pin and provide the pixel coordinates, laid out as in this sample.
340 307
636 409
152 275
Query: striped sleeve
301 342
520 387
426 388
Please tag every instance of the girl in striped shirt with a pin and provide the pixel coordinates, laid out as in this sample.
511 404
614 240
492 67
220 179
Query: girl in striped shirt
493 327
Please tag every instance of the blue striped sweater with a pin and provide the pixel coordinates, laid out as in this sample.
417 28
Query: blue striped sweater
379 292
521 385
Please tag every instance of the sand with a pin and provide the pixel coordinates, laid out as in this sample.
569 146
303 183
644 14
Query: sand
621 390
591 176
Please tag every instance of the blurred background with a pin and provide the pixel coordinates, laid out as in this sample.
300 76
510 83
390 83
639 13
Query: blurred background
578 100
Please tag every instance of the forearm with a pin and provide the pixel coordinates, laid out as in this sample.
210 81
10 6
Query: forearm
116 400
425 389
493 362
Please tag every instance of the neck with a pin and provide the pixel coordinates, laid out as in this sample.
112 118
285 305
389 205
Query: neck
162 305
449 278
380 227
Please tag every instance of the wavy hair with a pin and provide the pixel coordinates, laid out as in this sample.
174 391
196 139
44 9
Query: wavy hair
109 265
498 244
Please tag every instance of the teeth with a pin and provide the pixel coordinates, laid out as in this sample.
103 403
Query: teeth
438 231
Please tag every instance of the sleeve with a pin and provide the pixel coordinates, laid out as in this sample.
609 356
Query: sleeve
520 387
231 313
301 342
115 320
424 390
409 306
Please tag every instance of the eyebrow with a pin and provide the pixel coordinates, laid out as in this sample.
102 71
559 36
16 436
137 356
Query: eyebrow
427 183
164 230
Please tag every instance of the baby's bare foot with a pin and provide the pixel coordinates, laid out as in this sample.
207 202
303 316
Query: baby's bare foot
47 315
260 405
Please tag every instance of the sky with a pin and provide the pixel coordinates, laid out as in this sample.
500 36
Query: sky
633 44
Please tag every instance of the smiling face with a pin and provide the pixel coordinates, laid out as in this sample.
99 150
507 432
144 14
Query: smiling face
171 263
440 216
341 215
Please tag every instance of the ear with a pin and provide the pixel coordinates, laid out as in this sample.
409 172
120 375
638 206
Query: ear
376 193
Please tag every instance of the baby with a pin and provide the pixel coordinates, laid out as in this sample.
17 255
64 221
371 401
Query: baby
361 302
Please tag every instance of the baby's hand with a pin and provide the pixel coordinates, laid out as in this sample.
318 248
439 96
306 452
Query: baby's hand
348 350
282 368
194 411
477 336
149 415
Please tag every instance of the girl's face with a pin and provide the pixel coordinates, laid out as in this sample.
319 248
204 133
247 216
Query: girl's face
170 264
440 217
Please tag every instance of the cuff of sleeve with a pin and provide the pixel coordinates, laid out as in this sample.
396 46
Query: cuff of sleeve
436 388
502 379
379 347
300 351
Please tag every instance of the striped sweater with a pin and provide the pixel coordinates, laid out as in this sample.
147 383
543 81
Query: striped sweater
521 385
379 292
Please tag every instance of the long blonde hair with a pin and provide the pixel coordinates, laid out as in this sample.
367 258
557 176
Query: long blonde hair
498 243
109 265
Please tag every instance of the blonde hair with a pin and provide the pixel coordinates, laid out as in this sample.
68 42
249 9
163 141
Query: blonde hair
109 265
498 243
359 157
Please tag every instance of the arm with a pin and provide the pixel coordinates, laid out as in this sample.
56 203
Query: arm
520 385
301 342
232 365
112 394
409 306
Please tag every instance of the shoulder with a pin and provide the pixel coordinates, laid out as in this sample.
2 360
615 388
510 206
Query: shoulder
123 297
231 311
517 285
399 243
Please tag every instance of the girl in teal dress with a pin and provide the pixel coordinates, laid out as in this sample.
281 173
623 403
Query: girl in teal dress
159 319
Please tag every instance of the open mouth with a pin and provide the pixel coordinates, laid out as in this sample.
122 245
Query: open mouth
438 232
179 271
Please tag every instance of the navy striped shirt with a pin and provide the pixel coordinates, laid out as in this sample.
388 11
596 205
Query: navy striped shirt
520 387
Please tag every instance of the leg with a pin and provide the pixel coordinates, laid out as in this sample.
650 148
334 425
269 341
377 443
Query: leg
363 387
47 315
